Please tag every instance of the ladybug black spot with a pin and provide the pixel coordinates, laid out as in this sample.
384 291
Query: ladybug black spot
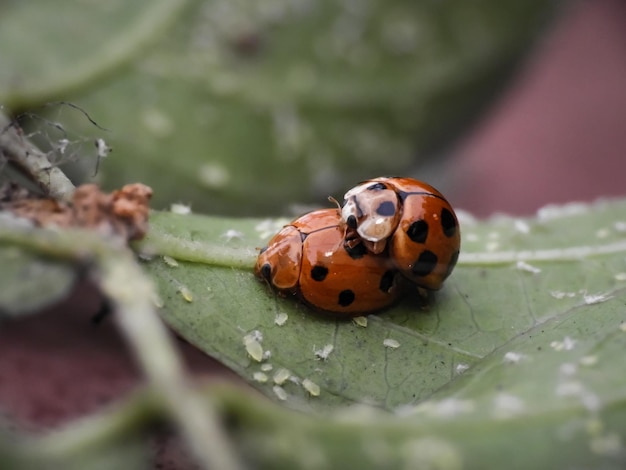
319 273
386 208
452 263
448 223
377 187
418 231
386 282
425 264
266 271
351 222
355 252
346 297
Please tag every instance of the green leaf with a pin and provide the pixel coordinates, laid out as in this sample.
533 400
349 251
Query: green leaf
520 285
18 452
361 437
295 100
521 353
29 283
48 48
524 345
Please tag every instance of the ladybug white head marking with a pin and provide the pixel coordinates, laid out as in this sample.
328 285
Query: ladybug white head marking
372 209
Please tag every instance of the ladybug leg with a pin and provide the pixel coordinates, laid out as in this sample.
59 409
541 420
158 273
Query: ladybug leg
376 247
422 293
351 238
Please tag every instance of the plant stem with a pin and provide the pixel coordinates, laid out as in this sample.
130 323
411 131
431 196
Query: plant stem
574 253
96 430
123 282
19 151
199 252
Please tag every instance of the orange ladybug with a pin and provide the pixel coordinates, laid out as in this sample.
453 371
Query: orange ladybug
410 221
312 259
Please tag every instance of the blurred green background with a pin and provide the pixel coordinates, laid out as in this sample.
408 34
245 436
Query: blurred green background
243 107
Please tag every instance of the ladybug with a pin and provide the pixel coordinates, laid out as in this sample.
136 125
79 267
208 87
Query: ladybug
410 221
312 259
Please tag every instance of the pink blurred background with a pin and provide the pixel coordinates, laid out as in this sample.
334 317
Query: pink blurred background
557 135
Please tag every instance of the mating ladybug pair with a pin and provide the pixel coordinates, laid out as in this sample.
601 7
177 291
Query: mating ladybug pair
358 259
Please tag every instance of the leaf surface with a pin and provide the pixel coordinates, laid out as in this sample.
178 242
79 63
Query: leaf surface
47 48
529 322
29 283
291 100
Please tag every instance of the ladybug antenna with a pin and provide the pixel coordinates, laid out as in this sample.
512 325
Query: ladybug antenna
333 200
